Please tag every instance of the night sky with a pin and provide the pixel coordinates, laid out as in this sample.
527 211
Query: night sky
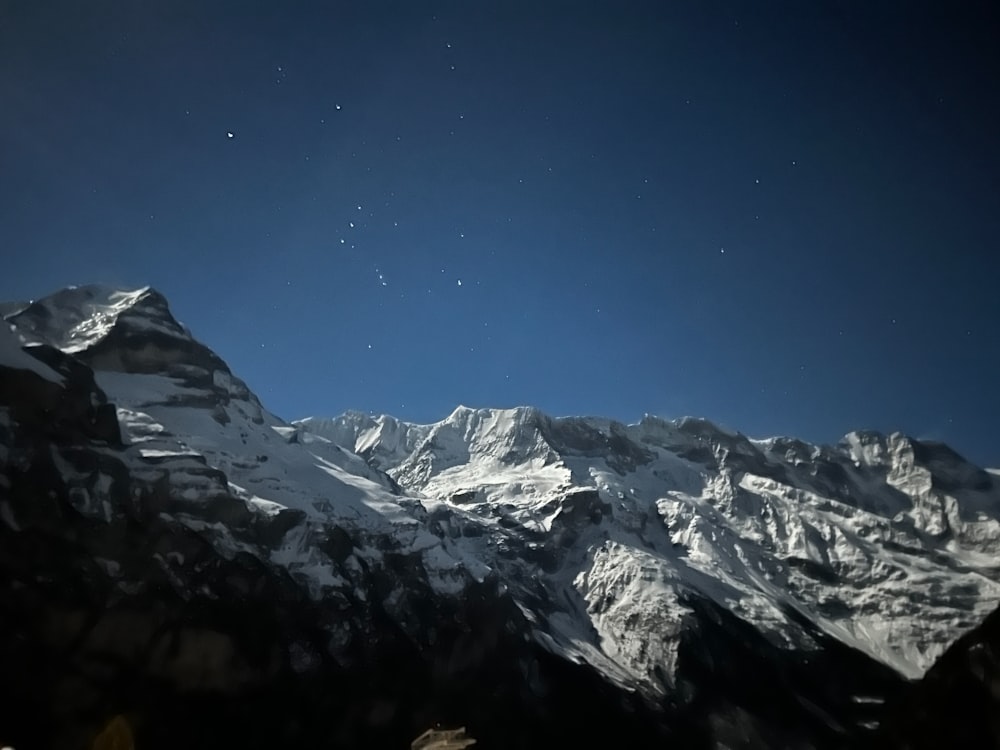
780 216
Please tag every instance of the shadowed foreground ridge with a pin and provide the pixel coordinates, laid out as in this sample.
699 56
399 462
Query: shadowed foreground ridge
174 554
957 703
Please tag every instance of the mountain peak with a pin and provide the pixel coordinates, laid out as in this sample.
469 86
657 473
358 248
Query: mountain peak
513 413
130 330
76 319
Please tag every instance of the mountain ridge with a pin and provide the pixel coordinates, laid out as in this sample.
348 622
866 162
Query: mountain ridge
622 550
865 454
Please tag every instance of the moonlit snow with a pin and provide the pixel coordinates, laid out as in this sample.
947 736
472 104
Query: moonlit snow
601 532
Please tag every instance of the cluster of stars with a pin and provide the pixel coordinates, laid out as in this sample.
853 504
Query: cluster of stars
355 225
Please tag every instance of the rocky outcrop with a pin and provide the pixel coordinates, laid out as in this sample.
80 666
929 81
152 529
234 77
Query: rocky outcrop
72 410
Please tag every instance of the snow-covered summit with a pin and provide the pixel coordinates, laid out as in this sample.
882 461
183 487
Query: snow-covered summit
773 530
130 330
382 440
77 318
611 539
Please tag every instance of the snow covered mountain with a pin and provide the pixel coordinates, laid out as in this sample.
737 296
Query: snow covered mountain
885 543
682 581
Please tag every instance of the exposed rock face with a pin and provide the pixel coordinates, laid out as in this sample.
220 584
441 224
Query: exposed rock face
172 553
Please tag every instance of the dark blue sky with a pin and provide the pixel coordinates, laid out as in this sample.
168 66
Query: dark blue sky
781 216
